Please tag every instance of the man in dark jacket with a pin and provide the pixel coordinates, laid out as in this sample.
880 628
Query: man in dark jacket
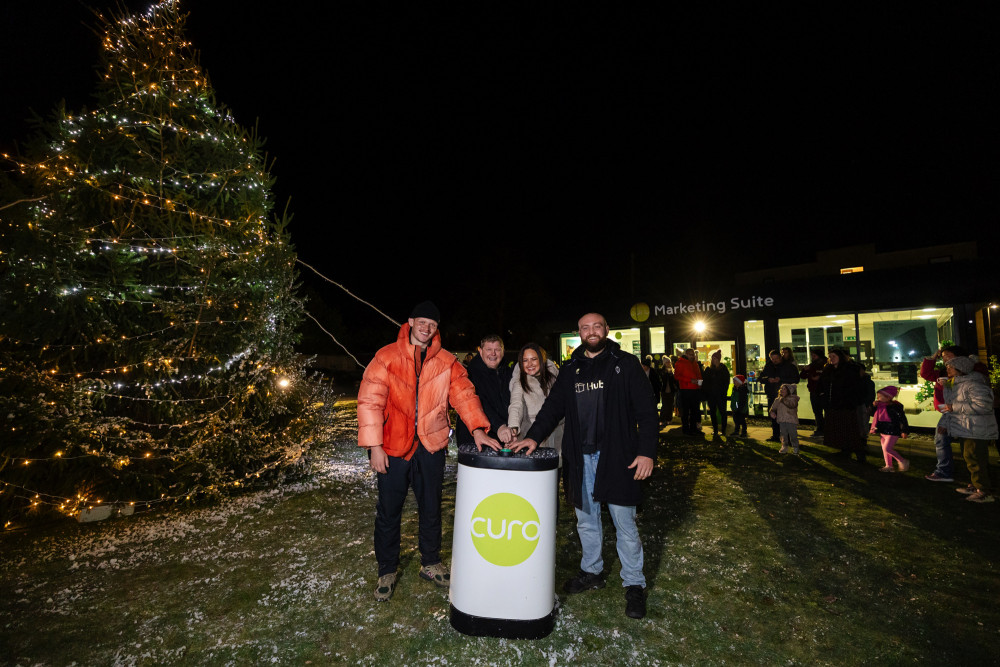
609 446
777 371
811 374
491 378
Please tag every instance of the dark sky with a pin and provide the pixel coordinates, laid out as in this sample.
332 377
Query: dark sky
510 163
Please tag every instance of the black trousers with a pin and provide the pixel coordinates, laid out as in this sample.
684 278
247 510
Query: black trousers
425 473
775 431
816 400
717 409
690 407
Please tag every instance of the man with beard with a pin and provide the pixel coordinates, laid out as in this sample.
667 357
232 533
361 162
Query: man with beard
491 378
609 447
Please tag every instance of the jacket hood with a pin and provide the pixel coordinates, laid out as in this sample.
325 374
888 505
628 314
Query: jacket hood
792 389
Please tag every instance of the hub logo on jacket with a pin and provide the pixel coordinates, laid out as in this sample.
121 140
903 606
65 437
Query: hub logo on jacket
505 529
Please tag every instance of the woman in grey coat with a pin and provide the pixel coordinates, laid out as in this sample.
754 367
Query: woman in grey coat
968 417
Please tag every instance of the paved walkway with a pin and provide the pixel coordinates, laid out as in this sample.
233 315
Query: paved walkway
921 444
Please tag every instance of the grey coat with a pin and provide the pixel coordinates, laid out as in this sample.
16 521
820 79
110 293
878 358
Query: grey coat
971 415
524 406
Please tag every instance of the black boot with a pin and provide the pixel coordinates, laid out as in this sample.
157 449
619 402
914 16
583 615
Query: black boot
635 601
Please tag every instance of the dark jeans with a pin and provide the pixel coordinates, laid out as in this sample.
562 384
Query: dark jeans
425 472
775 429
690 407
816 400
717 410
739 422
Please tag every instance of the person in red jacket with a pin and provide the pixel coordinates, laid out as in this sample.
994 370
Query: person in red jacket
403 423
687 372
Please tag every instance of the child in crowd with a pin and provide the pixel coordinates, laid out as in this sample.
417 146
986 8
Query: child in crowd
785 411
739 403
891 425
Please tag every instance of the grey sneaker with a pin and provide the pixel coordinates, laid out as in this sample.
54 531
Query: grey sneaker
980 497
437 573
386 587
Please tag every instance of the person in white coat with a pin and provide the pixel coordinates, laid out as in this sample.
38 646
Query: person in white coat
533 376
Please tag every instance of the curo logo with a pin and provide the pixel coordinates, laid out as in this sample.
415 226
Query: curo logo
505 529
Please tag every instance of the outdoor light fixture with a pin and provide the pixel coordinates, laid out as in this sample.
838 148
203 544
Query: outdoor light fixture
699 326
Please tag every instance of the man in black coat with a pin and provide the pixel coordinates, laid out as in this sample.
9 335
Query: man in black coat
491 378
779 370
609 447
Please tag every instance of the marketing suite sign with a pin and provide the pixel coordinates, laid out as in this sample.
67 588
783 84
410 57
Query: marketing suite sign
641 312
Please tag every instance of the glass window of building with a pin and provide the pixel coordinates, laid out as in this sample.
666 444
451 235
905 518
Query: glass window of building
657 341
899 340
890 344
822 331
756 354
707 347
568 343
629 339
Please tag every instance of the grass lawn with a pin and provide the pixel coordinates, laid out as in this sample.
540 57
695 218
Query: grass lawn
752 558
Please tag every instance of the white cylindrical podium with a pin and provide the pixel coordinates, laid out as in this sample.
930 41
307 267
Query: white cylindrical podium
504 547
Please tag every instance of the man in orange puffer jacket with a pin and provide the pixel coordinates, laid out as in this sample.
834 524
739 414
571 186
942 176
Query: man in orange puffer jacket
403 423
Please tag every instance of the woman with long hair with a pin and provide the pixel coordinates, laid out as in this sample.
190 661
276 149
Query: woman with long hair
533 378
668 390
843 394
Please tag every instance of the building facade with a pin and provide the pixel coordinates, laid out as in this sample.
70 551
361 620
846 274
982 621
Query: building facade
889 310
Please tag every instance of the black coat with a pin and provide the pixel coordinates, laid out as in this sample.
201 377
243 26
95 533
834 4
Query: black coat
654 381
786 371
716 380
631 426
493 388
842 386
898 425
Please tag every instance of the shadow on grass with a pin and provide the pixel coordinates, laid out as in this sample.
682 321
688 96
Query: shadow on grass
866 579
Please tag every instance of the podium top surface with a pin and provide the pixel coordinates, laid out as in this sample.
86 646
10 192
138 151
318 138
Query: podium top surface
543 458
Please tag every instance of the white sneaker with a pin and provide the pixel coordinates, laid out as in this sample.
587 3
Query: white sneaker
783 450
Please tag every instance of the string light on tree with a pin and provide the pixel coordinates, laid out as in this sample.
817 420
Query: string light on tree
133 234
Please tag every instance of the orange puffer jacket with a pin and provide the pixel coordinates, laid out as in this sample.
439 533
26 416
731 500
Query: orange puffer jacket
392 383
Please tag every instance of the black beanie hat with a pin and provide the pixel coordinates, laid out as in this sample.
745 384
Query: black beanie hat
427 310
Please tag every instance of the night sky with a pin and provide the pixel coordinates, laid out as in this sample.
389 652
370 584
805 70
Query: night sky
525 164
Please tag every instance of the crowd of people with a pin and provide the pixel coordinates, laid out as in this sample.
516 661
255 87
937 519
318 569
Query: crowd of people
599 411
846 406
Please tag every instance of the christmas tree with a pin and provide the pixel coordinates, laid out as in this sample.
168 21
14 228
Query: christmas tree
149 308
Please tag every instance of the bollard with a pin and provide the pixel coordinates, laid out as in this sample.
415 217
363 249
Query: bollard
503 550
